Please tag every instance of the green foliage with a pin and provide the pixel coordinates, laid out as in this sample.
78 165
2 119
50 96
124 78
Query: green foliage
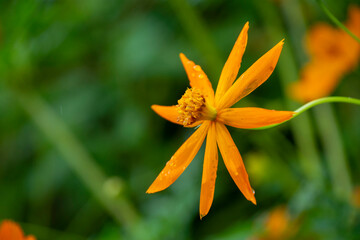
96 67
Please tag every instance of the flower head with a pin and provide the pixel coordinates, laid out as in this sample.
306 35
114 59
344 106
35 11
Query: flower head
201 106
333 53
11 231
278 225
356 197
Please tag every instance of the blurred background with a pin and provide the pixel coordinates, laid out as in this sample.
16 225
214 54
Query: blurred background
79 144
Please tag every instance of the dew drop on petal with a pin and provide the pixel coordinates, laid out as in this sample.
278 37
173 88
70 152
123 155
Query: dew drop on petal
197 68
253 191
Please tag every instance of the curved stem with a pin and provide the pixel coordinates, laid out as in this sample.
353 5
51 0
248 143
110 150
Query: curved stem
325 100
314 103
336 21
287 68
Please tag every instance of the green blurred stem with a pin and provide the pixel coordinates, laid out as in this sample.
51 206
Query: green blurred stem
334 150
199 35
333 147
330 135
314 103
287 69
76 157
336 21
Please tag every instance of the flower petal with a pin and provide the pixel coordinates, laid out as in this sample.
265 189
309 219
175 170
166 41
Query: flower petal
209 172
317 79
10 230
258 73
198 78
180 160
252 117
353 22
233 161
232 65
170 113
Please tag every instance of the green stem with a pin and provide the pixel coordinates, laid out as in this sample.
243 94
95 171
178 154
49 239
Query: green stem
326 100
197 31
335 155
314 103
76 157
325 118
336 21
302 129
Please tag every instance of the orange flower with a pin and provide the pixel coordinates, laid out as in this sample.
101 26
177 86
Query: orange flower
11 231
356 197
278 225
200 106
333 54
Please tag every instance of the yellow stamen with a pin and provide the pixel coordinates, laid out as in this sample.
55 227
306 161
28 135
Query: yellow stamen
193 107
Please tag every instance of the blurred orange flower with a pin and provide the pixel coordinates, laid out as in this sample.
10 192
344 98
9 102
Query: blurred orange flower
333 54
356 197
278 225
11 231
200 106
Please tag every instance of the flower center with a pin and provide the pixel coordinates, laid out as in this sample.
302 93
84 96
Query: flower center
192 107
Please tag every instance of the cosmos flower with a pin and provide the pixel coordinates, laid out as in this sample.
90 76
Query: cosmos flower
278 225
199 106
333 53
11 231
355 199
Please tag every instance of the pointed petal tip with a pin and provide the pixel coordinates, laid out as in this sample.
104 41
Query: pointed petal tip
279 46
250 196
158 108
244 31
169 113
253 200
183 58
185 61
152 190
153 107
203 213
246 25
149 191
